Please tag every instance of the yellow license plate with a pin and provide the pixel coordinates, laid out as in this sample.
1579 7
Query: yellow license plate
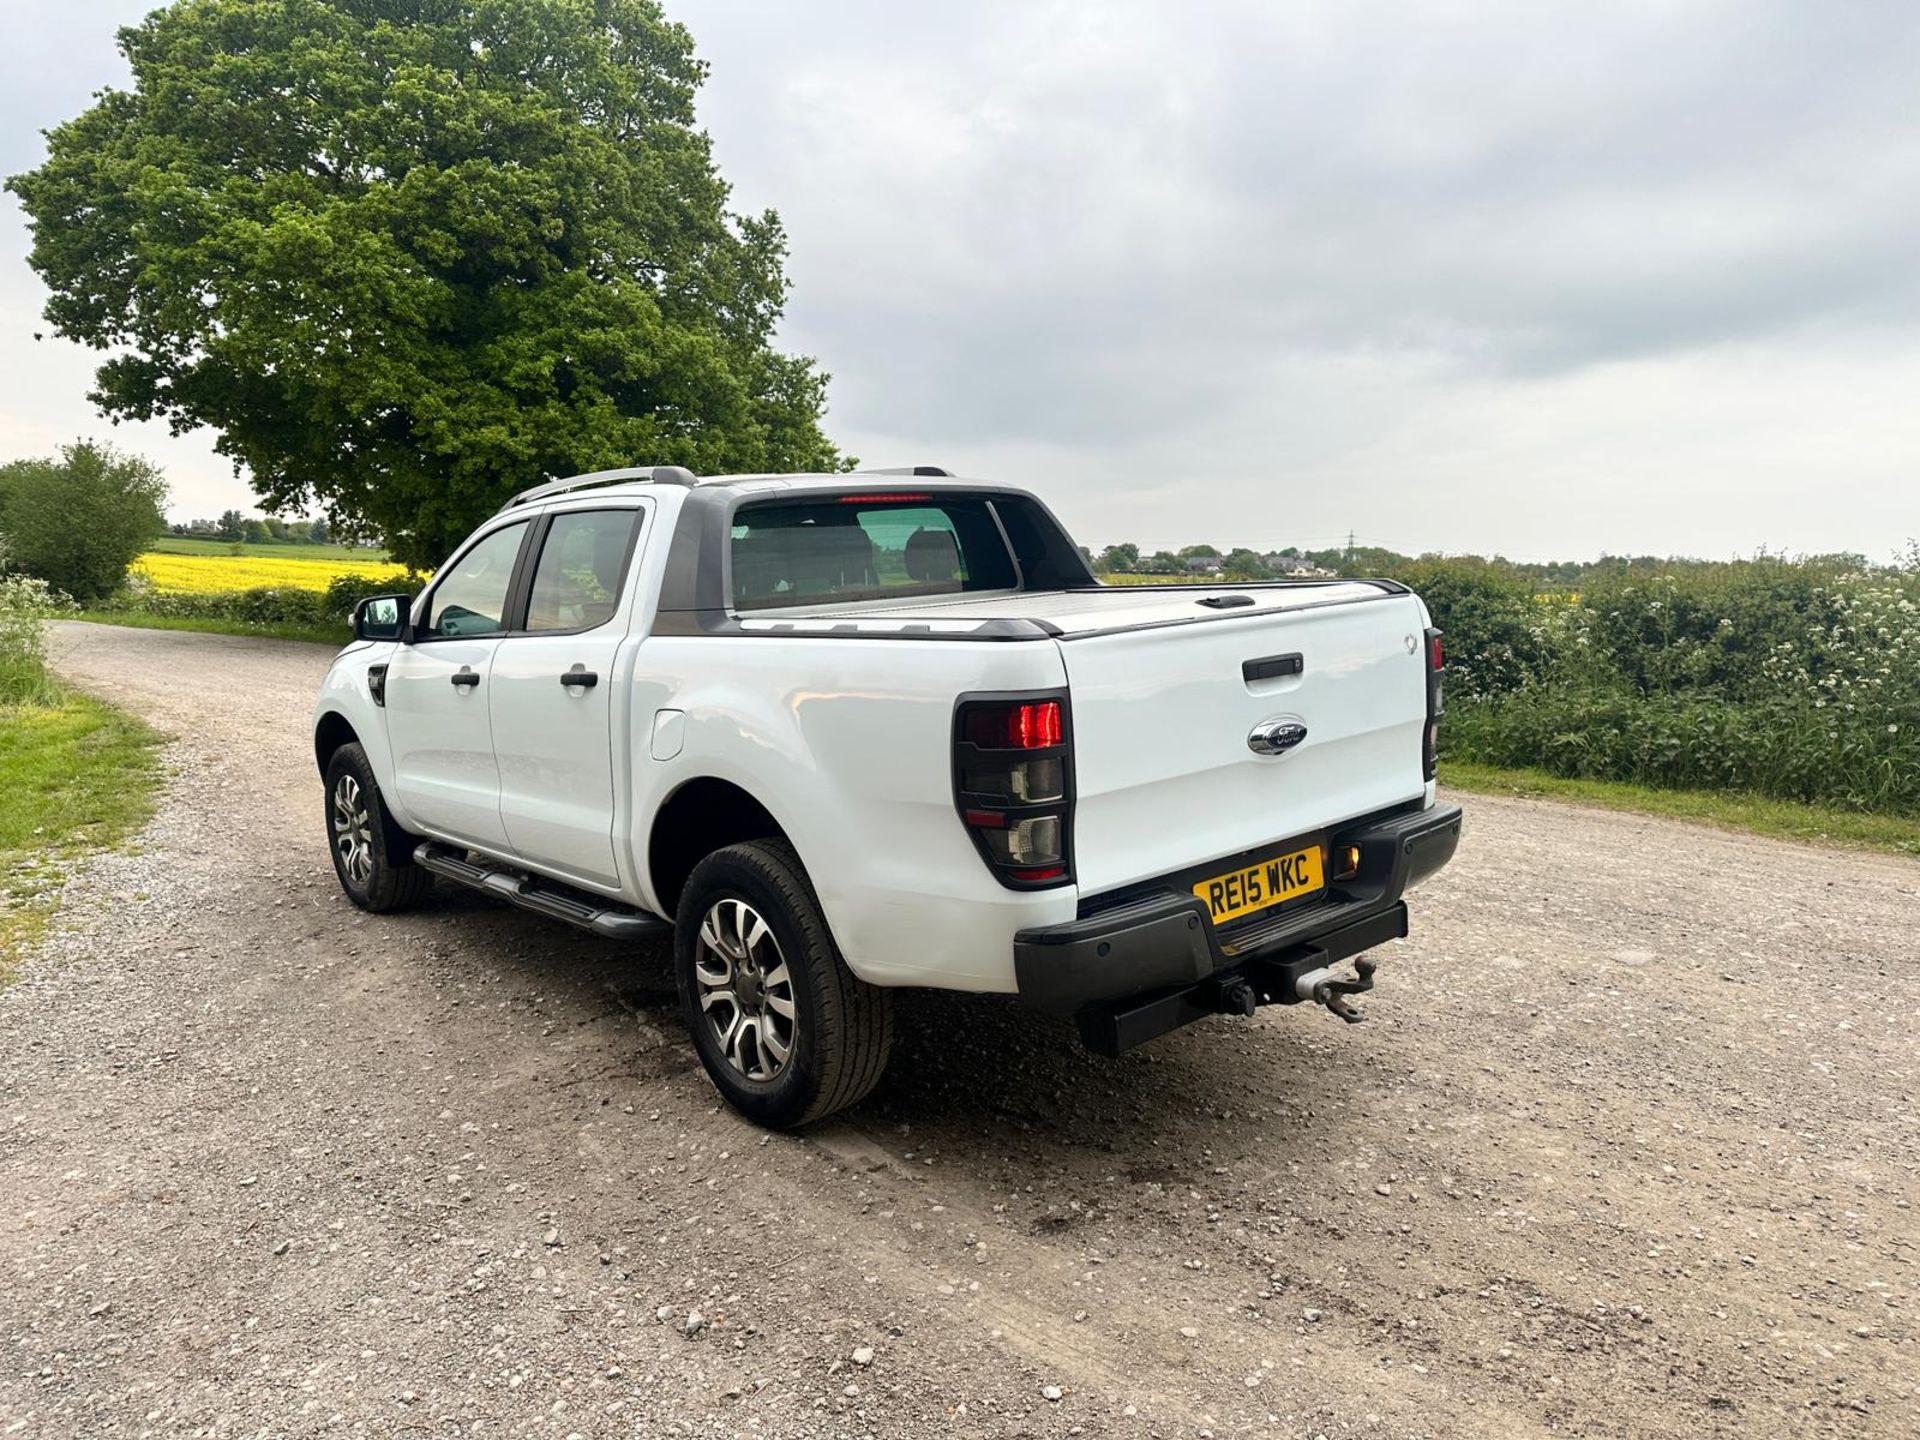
1284 877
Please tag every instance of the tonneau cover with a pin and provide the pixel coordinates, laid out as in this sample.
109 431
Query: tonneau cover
1103 610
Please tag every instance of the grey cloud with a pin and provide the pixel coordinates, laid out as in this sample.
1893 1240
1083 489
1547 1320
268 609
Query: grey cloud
1526 193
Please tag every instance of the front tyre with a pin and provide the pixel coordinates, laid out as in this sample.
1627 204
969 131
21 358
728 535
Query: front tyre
372 856
786 1032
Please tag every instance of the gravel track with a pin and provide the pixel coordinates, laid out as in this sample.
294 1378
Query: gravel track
1628 1146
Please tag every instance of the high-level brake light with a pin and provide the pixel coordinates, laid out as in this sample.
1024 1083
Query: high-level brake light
871 498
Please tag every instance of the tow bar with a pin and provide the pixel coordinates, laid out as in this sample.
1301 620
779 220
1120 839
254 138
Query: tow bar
1324 987
1314 971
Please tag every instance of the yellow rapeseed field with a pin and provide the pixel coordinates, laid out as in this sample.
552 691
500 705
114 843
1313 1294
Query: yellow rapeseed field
216 574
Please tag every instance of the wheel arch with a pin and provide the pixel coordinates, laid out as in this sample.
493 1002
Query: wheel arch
330 732
700 816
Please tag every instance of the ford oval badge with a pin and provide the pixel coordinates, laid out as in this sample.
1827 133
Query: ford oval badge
1277 736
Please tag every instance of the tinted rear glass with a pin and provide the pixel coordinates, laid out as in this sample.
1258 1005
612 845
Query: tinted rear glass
822 551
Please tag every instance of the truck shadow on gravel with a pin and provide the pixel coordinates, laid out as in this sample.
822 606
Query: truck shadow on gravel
971 1074
975 1067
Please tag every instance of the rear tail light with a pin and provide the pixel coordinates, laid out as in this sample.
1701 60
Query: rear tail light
1036 841
1430 743
1027 725
1034 781
1013 786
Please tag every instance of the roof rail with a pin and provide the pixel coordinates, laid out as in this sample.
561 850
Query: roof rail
644 474
931 472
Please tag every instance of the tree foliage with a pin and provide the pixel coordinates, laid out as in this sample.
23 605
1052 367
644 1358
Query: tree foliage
408 256
77 520
1244 564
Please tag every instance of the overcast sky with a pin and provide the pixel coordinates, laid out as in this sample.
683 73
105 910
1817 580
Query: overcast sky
1546 280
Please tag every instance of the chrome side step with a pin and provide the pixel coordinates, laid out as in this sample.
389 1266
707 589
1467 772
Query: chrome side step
546 897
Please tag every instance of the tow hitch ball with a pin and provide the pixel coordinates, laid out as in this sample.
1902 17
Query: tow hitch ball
1323 987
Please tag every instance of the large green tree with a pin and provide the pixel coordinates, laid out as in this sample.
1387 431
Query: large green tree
405 257
77 519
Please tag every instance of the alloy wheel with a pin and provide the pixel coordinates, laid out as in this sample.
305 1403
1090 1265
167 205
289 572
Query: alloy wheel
352 830
746 990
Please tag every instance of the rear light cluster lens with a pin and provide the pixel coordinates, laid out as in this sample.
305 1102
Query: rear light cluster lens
1032 725
1021 842
1430 744
1013 787
1020 782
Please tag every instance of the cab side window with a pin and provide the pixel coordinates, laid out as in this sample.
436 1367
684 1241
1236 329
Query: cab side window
471 598
583 560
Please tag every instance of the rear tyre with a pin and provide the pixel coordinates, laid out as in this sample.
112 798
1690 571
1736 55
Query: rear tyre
372 856
786 1032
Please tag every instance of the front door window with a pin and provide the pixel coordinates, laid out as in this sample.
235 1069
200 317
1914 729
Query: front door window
471 598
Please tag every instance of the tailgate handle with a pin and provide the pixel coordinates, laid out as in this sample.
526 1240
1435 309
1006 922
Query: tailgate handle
1225 602
1272 667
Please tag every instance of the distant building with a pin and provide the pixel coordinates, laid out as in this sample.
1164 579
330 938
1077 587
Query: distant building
1294 567
1205 564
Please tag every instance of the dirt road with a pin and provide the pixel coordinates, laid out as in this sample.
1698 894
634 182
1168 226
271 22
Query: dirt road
1628 1146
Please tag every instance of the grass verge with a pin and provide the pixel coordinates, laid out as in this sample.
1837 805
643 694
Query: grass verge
1760 814
76 775
312 634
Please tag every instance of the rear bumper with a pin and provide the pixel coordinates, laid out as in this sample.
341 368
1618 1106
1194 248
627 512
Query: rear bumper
1165 941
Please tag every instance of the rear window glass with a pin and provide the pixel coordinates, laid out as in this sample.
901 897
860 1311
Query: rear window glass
823 551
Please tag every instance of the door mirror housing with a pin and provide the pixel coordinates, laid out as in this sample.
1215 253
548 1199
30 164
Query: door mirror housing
381 617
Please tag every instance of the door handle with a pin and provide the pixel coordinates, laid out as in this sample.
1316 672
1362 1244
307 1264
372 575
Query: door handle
464 676
584 678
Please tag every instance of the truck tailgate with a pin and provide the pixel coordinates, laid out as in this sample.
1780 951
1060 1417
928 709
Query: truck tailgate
1164 775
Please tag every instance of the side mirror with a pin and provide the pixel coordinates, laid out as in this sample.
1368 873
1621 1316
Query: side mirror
381 617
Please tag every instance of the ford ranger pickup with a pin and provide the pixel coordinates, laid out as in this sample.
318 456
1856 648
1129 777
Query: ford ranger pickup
837 735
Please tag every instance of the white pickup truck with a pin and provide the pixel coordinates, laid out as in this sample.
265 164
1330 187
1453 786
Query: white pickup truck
840 734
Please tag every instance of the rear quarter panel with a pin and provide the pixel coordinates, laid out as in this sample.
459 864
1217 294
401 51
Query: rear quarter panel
849 744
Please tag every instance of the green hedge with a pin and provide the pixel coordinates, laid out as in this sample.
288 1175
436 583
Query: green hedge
1795 679
265 607
1684 743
